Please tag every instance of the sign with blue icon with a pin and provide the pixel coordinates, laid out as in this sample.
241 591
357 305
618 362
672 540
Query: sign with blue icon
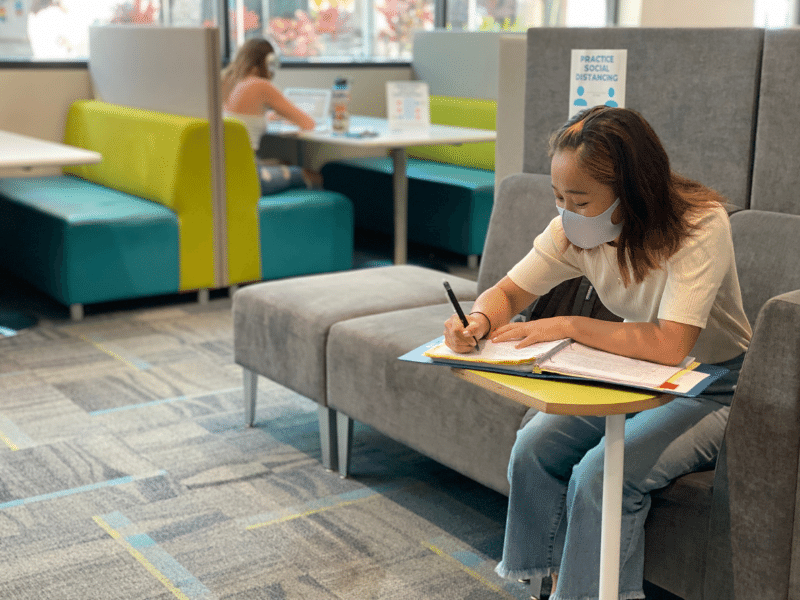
597 77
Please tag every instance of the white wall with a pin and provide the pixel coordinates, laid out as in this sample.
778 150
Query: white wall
35 101
686 13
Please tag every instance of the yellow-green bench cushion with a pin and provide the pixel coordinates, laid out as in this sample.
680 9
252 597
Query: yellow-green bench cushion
160 157
461 112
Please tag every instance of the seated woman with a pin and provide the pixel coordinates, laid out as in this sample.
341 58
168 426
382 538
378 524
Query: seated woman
658 249
248 94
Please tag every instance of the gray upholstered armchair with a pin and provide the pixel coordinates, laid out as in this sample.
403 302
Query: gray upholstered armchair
729 533
762 453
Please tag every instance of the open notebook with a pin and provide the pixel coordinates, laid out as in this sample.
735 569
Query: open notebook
568 359
316 102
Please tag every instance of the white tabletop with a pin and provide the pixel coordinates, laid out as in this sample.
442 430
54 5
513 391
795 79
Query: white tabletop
24 152
388 138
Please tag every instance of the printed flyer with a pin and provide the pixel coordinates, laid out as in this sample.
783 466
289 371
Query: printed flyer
407 104
597 77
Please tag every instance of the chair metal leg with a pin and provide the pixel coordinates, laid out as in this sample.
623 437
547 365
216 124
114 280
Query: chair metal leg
344 431
76 312
327 437
250 391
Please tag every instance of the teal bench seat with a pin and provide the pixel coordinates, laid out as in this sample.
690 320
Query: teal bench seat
303 232
81 242
448 205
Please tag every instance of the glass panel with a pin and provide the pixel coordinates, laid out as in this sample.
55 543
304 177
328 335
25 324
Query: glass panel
59 29
586 13
519 15
773 13
395 23
321 29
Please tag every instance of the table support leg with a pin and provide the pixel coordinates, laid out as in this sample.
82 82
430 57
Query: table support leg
400 181
612 506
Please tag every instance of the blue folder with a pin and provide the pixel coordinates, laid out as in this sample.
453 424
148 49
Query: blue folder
417 355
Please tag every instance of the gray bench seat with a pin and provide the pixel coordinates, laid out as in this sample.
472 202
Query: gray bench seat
281 327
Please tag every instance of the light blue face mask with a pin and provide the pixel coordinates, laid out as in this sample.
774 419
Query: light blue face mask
590 232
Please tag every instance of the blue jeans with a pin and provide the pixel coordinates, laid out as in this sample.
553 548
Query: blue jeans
556 477
277 178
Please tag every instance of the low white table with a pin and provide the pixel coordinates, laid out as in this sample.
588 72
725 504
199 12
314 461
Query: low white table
24 153
569 398
396 142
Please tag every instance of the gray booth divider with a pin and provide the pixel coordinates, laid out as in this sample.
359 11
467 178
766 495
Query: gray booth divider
776 172
697 87
172 70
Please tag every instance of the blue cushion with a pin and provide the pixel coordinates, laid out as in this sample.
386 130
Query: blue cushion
448 205
305 231
82 242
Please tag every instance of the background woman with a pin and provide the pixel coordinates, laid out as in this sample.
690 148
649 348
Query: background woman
657 247
249 94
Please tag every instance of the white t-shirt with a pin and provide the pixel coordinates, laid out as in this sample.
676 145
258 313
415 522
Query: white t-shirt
698 285
256 125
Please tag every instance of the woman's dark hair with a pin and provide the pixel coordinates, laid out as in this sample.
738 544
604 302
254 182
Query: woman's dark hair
619 148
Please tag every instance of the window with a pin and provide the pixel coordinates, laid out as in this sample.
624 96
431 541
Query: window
333 29
774 13
367 29
519 15
313 30
59 29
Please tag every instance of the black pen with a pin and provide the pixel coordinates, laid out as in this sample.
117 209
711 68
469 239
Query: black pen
457 306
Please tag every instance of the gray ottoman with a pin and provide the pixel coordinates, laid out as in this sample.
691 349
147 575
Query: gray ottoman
281 327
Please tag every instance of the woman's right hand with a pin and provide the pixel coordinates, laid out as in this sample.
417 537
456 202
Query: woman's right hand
462 339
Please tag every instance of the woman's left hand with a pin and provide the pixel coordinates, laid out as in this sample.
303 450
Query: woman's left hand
531 332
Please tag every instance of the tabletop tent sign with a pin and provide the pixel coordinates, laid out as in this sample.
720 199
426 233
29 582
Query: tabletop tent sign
407 105
597 77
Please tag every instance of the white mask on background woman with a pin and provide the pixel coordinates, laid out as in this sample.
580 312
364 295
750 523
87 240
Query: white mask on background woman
590 232
271 62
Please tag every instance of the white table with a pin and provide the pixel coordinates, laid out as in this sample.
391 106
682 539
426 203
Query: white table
567 398
396 142
24 153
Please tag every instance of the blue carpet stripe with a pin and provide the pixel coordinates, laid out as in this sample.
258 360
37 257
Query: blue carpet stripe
79 490
105 411
158 562
12 436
